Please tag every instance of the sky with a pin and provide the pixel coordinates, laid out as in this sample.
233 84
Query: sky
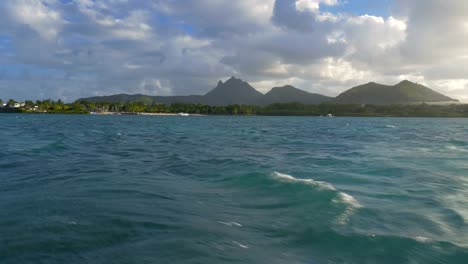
69 49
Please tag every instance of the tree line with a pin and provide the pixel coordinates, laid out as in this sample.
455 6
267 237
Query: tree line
297 109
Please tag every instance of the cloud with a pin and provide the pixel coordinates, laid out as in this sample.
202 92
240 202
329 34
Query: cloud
34 15
312 5
438 36
72 49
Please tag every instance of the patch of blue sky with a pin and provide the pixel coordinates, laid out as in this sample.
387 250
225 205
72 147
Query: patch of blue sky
66 1
171 25
380 8
7 49
188 29
5 41
27 72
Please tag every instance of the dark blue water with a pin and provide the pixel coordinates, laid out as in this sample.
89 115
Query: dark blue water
142 189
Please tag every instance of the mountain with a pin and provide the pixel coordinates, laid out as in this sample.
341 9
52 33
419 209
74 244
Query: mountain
236 91
402 93
120 98
233 91
289 94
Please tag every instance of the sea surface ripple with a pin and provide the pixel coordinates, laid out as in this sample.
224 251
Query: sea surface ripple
218 189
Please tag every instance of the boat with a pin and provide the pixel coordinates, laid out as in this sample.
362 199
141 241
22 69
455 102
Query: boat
183 114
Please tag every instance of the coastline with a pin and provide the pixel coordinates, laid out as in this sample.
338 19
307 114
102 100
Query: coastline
144 114
290 109
272 115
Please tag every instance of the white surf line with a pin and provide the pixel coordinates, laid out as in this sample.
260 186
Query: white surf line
230 223
239 244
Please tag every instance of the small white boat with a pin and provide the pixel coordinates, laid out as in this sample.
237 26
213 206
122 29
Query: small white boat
183 114
330 115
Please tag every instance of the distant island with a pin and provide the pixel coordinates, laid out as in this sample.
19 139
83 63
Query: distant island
236 97
236 91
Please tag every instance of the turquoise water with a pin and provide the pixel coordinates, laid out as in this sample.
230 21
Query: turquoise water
142 189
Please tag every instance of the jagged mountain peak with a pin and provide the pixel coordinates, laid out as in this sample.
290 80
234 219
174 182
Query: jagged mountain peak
233 91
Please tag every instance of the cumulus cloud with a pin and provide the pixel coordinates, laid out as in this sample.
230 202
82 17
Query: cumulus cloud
312 5
35 15
72 49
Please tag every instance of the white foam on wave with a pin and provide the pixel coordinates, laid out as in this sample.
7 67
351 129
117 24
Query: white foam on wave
390 126
230 223
239 244
342 197
349 199
422 239
320 184
452 147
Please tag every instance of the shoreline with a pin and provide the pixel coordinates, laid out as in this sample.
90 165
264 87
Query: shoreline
271 115
144 114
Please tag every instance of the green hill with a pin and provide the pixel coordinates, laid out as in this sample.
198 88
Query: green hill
405 92
290 94
236 91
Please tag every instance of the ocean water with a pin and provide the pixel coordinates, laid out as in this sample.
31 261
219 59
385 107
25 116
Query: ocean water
146 189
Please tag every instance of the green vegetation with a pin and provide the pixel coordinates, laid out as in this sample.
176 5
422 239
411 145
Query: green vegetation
296 109
139 107
280 109
55 107
46 106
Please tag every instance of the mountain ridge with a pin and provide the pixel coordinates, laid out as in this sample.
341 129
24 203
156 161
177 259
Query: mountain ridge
289 93
237 91
404 92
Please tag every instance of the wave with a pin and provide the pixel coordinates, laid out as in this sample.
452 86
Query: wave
230 223
456 148
240 245
422 239
361 248
320 184
343 197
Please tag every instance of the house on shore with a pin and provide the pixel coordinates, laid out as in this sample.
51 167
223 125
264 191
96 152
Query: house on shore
17 105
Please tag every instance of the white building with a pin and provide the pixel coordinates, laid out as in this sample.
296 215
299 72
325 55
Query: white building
17 105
